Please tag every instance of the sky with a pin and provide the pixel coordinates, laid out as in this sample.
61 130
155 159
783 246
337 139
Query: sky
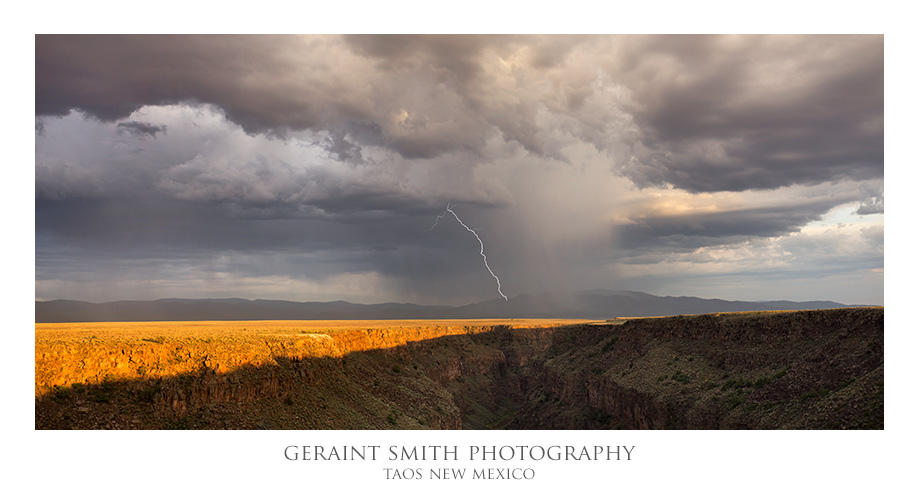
312 168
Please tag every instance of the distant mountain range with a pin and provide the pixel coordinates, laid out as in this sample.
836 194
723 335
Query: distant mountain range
599 304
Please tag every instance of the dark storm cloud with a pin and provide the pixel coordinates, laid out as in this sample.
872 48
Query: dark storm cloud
113 224
107 237
454 58
268 189
140 129
119 227
703 113
211 165
306 157
340 148
266 84
109 77
723 113
683 232
873 205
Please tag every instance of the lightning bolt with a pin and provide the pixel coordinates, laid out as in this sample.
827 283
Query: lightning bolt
439 218
481 246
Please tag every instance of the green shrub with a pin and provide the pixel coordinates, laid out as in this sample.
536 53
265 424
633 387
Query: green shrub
680 377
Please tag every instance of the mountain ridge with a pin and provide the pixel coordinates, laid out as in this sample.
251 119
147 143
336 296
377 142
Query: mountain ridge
599 304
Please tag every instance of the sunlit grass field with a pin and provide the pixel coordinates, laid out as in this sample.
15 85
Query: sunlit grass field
260 328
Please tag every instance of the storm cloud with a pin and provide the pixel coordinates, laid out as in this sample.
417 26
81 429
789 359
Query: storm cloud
140 129
322 160
703 113
700 229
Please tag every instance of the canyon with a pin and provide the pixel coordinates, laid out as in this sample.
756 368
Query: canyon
810 369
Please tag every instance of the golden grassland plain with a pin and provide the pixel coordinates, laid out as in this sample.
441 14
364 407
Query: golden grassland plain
97 352
256 328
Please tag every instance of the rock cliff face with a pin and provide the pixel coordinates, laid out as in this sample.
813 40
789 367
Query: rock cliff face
803 370
800 370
